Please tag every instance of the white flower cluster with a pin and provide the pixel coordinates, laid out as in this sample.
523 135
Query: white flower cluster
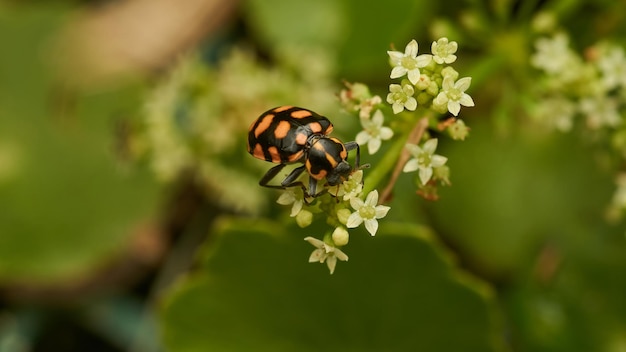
591 87
357 97
365 211
429 82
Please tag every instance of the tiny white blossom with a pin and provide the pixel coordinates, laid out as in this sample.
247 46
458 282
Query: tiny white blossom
453 94
373 132
443 51
556 112
294 196
552 54
365 106
352 187
600 111
408 63
401 97
325 253
424 159
367 212
612 65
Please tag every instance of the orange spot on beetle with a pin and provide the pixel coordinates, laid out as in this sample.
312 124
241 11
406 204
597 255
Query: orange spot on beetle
282 129
301 139
264 124
315 127
274 154
320 175
295 156
258 152
282 108
331 160
300 114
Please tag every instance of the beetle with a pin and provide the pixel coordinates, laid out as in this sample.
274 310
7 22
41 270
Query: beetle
287 135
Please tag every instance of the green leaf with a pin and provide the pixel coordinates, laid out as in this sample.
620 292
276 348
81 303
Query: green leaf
399 291
357 34
67 203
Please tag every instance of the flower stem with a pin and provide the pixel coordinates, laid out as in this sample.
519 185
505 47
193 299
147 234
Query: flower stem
414 138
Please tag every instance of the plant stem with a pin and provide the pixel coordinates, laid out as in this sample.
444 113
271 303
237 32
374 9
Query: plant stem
414 138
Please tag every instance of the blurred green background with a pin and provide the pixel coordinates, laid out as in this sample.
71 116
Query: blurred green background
126 226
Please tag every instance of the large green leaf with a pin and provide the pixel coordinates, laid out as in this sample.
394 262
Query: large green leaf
399 291
357 34
66 202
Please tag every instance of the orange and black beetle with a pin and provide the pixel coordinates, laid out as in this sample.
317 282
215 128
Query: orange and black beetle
288 134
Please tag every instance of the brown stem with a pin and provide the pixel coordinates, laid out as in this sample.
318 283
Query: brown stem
414 138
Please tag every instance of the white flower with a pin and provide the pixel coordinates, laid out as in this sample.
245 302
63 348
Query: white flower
612 64
600 111
553 54
557 112
294 196
373 132
367 212
443 51
352 187
325 253
401 97
453 94
408 63
424 159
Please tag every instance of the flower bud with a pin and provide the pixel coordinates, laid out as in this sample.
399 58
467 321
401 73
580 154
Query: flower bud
343 215
304 218
340 236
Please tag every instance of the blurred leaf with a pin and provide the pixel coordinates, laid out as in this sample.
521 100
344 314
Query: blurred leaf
510 195
66 202
359 34
256 291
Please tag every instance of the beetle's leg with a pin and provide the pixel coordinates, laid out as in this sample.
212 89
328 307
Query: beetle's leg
271 173
289 181
357 161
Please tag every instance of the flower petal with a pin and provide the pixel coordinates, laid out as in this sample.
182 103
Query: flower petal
395 56
286 198
318 256
397 107
411 165
411 104
411 49
454 107
354 220
425 174
373 145
414 75
414 149
372 198
314 241
423 60
356 203
430 146
341 255
362 137
331 263
378 118
371 225
397 72
381 211
385 133
463 83
466 100
448 83
297 206
438 160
